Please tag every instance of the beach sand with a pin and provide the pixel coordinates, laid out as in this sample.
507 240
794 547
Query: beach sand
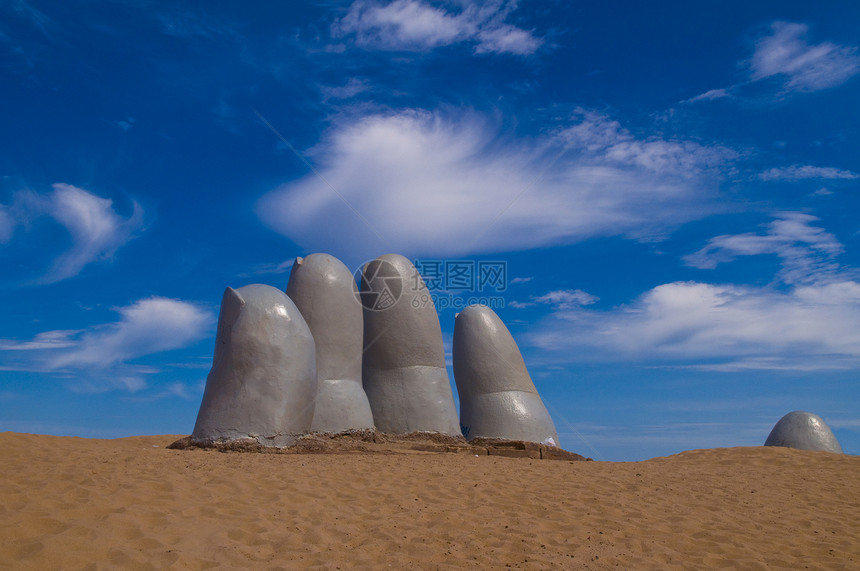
76 503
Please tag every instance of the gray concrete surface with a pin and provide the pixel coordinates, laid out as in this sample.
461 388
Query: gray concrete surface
497 396
805 431
263 380
325 293
404 360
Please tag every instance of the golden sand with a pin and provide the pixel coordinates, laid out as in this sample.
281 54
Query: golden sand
76 503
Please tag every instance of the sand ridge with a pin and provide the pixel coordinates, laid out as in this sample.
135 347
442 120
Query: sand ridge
76 503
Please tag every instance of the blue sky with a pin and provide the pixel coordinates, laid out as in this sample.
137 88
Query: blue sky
674 191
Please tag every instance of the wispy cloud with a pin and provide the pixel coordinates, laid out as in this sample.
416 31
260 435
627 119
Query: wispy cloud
784 52
815 325
599 133
24 30
124 124
711 95
558 299
801 172
783 55
805 251
59 339
567 298
102 356
716 327
97 231
443 183
95 228
851 423
148 326
273 268
417 25
351 88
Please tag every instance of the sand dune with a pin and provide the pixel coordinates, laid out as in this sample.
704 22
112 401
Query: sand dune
75 503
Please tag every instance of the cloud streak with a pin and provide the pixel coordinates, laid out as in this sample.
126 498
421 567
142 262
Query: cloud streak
416 25
716 327
101 355
147 326
59 339
441 184
805 251
804 67
803 172
560 299
96 230
815 325
783 55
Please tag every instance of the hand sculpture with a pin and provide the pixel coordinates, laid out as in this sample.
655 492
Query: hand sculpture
404 360
263 381
324 291
803 430
497 396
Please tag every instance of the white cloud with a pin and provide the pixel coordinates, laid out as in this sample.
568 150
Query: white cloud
599 133
711 95
507 39
739 328
95 228
785 52
801 172
101 357
353 87
272 268
148 326
813 326
805 251
567 298
443 184
97 231
416 25
47 340
850 423
594 132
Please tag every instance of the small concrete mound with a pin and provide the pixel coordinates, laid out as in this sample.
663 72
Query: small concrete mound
263 382
325 293
497 396
404 360
805 431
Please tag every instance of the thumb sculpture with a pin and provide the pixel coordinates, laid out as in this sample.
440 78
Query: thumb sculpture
263 381
325 293
497 396
404 360
805 431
